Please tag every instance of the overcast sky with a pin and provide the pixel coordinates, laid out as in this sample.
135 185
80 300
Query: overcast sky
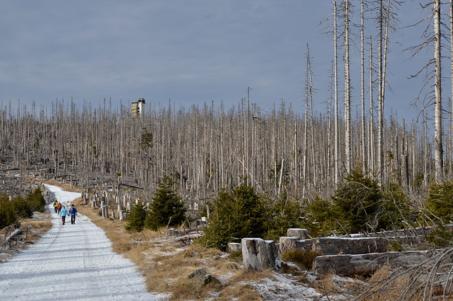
190 51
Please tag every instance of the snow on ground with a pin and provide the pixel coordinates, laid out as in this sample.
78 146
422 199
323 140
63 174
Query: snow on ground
72 262
280 287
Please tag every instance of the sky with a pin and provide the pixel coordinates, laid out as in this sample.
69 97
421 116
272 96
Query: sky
191 52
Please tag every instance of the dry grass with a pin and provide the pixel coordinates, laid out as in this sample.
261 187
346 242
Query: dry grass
240 289
302 258
391 291
380 275
33 228
166 264
38 225
241 292
326 285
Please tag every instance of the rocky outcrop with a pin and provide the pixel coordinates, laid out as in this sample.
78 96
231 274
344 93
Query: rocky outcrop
201 278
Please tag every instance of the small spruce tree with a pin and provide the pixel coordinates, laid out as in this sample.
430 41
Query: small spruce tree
36 200
237 214
321 217
358 201
395 211
22 207
7 213
283 214
440 201
166 207
136 218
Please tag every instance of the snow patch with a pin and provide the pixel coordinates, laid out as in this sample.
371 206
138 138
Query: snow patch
282 287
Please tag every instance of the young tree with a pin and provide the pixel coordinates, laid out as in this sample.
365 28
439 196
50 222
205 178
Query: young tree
166 207
237 214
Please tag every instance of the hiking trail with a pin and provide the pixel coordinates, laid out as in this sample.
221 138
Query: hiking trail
71 262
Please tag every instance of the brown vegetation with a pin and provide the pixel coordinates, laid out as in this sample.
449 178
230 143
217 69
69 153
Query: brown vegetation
166 264
32 228
37 228
303 258
391 291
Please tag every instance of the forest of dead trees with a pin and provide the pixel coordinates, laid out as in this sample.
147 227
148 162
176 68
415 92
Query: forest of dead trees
211 147
207 149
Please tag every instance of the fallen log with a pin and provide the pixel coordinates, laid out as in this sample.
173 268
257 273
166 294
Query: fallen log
366 264
346 245
10 237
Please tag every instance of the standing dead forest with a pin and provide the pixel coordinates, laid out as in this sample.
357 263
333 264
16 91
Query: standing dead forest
335 167
282 152
209 149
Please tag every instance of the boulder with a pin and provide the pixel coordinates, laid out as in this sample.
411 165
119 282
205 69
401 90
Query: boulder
348 245
258 254
234 247
298 233
366 264
201 278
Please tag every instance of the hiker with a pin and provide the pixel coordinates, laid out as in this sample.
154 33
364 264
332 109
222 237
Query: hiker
63 213
55 203
73 213
58 207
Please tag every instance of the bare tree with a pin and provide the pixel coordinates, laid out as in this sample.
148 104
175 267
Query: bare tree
335 81
438 154
380 138
347 89
362 85
371 145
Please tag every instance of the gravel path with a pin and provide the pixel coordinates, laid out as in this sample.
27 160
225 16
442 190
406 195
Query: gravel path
72 262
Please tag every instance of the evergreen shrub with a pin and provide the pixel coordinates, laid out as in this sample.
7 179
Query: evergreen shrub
358 200
283 214
22 207
440 201
321 217
36 200
136 219
236 214
7 212
166 207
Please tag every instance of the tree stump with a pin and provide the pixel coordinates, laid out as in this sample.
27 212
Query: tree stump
299 233
258 254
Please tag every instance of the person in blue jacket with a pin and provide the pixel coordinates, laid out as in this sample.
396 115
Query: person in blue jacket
63 213
72 213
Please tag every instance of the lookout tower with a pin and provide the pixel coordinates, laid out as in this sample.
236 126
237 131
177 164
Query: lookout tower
137 107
